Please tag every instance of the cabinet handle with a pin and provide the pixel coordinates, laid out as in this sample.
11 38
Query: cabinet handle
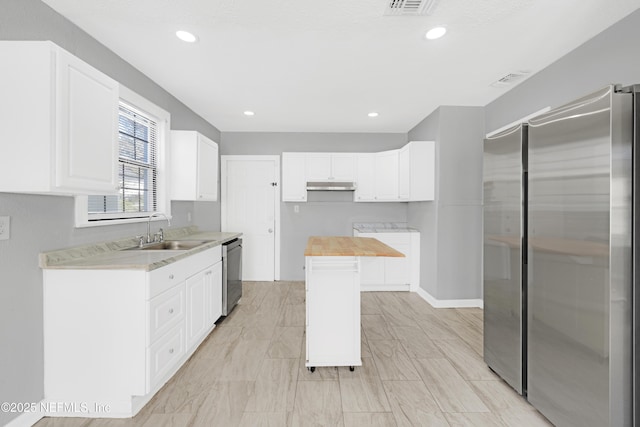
200 196
170 351
171 311
171 276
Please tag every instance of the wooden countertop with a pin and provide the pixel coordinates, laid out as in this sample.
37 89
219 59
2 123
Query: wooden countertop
348 246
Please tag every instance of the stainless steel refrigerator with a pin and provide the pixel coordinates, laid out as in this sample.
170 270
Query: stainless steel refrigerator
576 310
505 254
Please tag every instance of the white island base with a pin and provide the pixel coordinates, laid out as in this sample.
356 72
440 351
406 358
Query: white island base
333 297
333 311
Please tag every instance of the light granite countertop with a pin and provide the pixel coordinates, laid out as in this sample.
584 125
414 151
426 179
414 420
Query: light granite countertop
113 255
383 227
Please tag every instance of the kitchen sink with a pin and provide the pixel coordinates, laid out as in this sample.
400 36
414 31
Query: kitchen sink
172 245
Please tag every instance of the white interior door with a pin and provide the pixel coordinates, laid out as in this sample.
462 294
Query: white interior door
250 199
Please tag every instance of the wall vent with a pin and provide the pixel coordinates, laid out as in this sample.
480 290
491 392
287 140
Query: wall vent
511 79
409 7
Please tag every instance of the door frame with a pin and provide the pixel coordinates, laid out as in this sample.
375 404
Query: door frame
223 200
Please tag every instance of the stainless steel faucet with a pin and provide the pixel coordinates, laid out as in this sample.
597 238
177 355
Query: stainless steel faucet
161 232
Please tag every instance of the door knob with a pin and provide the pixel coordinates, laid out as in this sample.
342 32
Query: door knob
270 230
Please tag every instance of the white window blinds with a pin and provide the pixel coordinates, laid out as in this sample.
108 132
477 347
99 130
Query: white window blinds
137 168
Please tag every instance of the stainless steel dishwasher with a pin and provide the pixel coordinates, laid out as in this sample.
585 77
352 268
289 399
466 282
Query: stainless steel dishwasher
231 274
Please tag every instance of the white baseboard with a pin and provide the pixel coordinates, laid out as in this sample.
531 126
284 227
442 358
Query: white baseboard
384 288
449 303
26 419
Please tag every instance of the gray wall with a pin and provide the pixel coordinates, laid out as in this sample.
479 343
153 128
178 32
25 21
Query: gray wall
41 223
325 213
450 226
610 57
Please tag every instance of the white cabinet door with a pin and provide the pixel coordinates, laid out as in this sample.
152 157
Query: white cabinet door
330 166
87 126
417 171
404 174
397 271
197 306
317 166
343 166
194 167
386 176
62 116
365 180
294 182
207 182
372 270
213 279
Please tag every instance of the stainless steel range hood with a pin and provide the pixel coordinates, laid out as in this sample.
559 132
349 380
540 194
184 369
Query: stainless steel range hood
331 186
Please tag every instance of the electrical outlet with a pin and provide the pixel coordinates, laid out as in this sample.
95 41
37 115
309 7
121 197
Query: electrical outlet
5 227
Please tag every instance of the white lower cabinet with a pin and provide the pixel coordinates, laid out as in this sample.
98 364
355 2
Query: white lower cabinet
204 302
196 307
392 274
165 353
333 311
214 294
112 338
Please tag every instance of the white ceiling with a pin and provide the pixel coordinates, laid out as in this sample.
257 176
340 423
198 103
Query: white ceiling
322 65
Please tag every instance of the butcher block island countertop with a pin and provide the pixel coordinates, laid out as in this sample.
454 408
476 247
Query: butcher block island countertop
348 246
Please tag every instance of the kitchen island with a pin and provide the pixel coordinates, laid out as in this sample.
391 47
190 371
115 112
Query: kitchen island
332 283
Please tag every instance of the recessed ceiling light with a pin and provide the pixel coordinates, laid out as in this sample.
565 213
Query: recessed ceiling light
436 33
186 36
249 113
372 114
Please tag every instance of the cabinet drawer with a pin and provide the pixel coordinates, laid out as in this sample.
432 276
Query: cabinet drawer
164 278
164 354
165 311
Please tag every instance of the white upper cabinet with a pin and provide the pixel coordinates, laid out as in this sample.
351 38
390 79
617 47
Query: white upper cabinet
317 166
416 171
343 166
330 166
365 177
402 175
386 176
194 167
294 182
60 122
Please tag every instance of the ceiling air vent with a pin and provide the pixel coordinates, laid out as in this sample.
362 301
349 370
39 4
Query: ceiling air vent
511 79
410 7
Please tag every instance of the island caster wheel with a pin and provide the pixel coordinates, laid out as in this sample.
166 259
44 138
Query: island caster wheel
352 368
312 369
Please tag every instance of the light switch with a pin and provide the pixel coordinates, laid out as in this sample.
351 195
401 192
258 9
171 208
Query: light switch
296 209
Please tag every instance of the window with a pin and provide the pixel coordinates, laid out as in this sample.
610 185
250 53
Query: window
141 136
137 169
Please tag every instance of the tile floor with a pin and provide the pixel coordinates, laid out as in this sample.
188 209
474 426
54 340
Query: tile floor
421 367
